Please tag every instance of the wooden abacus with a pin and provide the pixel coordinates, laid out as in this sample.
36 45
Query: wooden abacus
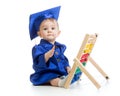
81 59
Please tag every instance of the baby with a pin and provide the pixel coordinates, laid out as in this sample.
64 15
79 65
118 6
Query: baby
50 64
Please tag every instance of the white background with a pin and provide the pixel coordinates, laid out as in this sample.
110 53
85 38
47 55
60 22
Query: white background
77 17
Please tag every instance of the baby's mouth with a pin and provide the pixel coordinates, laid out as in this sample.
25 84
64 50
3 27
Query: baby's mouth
50 35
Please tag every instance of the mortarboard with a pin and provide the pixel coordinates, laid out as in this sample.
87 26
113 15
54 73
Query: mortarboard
36 19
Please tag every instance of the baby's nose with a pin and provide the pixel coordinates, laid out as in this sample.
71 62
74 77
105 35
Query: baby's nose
49 31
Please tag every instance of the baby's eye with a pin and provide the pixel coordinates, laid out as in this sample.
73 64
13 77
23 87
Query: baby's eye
53 28
44 28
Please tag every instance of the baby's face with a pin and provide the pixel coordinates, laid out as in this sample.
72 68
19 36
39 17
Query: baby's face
49 30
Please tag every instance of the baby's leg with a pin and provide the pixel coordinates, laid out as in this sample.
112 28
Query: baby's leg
58 82
54 82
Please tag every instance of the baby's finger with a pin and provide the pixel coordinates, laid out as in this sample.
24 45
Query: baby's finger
53 48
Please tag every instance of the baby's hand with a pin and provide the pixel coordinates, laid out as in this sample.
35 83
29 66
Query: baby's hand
68 69
49 54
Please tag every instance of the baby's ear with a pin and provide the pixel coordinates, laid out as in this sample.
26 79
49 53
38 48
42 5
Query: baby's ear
59 32
39 34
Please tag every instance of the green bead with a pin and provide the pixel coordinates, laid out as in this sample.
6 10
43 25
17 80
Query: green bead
84 63
77 70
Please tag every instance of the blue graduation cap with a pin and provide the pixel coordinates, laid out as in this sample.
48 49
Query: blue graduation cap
36 19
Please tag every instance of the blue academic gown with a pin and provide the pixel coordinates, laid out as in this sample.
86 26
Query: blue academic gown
53 68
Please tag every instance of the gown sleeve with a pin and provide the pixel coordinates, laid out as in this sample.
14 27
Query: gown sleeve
39 63
66 61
